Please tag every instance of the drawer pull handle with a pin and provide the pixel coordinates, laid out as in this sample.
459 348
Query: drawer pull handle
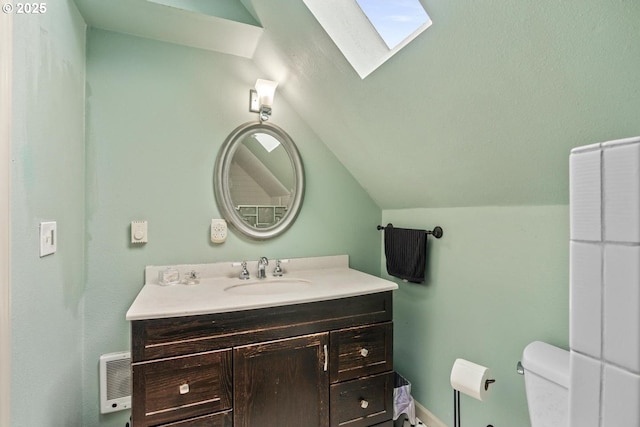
364 404
364 352
184 389
326 358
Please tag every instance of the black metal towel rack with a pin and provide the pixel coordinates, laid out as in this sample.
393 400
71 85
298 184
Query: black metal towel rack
436 232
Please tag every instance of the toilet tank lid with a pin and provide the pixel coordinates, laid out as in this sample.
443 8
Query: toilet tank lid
547 361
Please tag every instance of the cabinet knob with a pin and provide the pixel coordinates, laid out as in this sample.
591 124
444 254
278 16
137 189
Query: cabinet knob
364 404
364 352
184 389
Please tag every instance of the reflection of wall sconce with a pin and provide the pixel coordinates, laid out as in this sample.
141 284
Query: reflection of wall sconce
261 98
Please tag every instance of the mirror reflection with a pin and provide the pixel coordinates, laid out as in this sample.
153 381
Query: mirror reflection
261 180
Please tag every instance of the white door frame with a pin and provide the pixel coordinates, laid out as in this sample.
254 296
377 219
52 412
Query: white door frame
6 65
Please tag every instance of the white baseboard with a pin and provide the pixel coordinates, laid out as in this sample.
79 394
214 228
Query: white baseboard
427 417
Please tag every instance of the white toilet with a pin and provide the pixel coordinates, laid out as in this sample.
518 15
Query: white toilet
546 375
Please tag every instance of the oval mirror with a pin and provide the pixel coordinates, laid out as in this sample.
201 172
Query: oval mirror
259 180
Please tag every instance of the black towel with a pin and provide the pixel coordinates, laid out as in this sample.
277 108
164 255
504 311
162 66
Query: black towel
406 252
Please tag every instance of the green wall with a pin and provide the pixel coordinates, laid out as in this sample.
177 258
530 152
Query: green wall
47 183
156 116
497 280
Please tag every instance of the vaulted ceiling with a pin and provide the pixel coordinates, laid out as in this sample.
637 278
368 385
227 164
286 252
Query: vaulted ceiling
481 109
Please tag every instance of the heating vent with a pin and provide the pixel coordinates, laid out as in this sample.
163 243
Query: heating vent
115 382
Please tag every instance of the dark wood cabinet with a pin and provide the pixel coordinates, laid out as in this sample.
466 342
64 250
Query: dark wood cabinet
282 383
320 364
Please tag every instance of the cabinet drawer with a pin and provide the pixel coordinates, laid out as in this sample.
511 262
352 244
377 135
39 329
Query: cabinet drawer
364 402
182 387
362 351
222 419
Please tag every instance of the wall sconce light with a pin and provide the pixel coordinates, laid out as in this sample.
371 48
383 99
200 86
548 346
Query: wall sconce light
261 98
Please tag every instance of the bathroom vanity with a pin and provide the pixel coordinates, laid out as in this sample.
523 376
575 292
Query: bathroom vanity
316 350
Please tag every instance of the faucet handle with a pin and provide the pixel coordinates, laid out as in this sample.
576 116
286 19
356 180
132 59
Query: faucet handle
244 273
277 272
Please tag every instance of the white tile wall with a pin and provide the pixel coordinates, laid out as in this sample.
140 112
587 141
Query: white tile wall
621 398
622 193
605 285
584 399
621 303
585 198
586 298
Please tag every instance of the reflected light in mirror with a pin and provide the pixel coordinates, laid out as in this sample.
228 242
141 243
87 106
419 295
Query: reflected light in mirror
267 141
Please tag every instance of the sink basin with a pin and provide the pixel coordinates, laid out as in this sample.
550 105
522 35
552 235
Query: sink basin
269 286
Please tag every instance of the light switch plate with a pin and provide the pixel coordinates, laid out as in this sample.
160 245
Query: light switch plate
48 238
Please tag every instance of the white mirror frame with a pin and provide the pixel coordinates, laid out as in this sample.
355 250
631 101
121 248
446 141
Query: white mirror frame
221 180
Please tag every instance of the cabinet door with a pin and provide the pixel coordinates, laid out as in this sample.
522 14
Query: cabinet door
282 383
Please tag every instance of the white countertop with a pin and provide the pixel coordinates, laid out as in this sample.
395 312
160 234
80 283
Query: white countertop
329 277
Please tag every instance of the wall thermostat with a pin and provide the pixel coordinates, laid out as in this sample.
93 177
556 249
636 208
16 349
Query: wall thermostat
139 232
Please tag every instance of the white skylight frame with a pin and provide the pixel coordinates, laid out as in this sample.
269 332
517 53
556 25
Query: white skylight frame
354 35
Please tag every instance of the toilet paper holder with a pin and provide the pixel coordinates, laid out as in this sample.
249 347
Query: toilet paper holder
456 402
470 378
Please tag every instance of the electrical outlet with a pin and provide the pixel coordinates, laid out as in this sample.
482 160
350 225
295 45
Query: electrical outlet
48 238
218 230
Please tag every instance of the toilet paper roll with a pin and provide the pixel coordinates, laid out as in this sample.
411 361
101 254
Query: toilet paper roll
470 378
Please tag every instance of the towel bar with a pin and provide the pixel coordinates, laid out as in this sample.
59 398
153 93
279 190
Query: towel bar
436 232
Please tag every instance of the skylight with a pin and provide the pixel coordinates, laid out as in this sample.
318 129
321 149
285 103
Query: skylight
394 20
369 32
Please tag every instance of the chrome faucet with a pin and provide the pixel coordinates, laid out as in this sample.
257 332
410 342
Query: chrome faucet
262 265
